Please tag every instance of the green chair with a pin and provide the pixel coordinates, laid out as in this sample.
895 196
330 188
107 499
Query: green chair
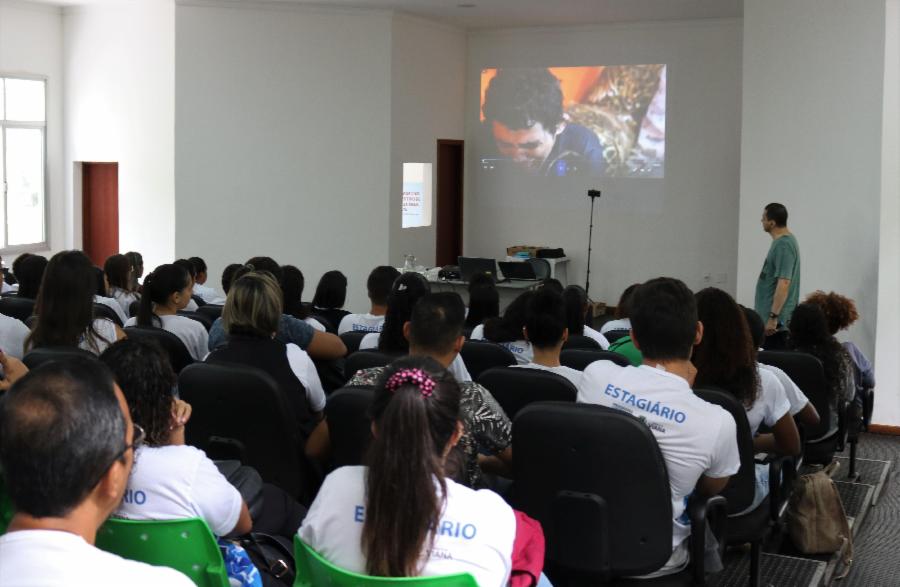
315 571
6 508
184 545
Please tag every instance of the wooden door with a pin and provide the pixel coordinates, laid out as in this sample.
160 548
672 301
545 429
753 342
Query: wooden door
449 201
100 210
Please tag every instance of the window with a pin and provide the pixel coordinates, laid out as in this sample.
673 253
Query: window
23 139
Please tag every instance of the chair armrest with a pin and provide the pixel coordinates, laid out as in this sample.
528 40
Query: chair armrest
843 418
700 511
782 472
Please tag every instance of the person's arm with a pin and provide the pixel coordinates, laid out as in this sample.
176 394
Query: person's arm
181 413
808 415
244 523
120 334
783 440
325 346
778 300
709 486
318 445
13 370
499 464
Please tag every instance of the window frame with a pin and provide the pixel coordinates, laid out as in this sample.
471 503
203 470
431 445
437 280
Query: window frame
5 247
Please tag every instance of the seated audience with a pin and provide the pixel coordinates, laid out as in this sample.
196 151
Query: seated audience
404 294
434 330
545 329
65 307
378 287
137 264
577 309
726 358
509 330
251 317
552 284
621 320
29 270
167 290
404 500
13 333
840 313
203 291
330 297
698 440
227 277
801 408
484 302
192 270
809 334
292 283
119 273
8 280
67 447
101 295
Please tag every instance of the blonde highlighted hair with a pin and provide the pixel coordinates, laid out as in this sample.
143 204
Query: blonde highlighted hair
254 305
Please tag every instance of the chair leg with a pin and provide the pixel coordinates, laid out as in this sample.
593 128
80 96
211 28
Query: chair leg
755 555
852 475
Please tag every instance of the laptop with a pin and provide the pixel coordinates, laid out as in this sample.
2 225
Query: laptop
471 266
517 270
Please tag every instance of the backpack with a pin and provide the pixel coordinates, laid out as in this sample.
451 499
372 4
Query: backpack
816 520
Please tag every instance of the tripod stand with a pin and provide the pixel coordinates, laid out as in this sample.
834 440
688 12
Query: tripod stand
593 195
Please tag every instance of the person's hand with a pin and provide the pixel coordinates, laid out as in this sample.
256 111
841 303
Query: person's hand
13 370
771 326
181 413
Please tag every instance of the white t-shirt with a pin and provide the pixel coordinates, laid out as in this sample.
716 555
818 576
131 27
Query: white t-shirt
315 324
205 293
457 367
305 370
5 287
695 437
53 558
601 340
112 304
106 329
192 333
477 333
569 373
125 298
475 536
13 333
771 402
620 324
191 306
795 396
522 349
176 482
360 323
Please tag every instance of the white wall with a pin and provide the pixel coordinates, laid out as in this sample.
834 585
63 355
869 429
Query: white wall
689 231
31 43
812 118
428 77
887 401
284 137
119 63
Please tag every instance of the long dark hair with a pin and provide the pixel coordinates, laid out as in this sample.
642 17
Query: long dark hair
406 291
725 356
118 272
412 431
144 373
292 284
331 292
575 299
484 300
159 284
65 303
810 334
509 327
29 270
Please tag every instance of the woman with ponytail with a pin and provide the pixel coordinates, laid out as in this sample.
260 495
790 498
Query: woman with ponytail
400 516
166 291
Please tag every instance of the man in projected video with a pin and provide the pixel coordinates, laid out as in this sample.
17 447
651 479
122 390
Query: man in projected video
523 110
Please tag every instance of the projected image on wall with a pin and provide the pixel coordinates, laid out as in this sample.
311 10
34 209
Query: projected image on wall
599 121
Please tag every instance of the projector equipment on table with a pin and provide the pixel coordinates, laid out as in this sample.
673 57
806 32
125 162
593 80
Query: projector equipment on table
593 195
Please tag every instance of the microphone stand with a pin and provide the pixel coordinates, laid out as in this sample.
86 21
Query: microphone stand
593 195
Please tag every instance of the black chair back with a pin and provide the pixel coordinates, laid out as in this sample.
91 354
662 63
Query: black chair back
104 311
595 479
199 317
349 425
581 358
808 373
741 487
134 308
16 307
579 341
365 360
211 311
39 356
616 334
178 353
242 408
351 340
516 387
541 267
479 356
198 300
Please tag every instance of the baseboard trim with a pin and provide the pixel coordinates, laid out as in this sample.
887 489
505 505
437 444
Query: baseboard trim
884 429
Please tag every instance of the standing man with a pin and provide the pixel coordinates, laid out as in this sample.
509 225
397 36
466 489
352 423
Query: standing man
778 286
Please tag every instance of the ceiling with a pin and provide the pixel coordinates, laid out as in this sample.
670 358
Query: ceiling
525 13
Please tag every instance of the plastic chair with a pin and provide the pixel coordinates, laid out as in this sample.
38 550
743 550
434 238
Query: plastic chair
104 311
6 507
514 387
579 341
37 357
187 546
581 358
198 316
178 353
16 307
349 425
351 340
479 356
314 571
616 334
365 360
